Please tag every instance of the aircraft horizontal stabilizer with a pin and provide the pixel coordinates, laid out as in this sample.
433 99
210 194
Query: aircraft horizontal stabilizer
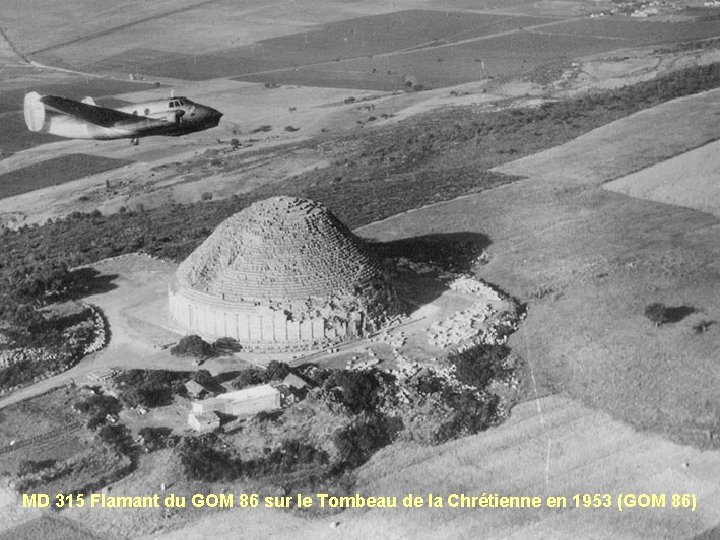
34 111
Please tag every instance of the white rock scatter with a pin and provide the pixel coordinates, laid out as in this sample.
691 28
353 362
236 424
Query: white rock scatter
489 320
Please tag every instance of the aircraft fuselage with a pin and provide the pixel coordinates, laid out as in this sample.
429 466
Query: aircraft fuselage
85 120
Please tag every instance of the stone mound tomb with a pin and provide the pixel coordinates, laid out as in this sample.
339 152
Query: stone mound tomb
282 274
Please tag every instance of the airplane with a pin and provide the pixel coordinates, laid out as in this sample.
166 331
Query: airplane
84 119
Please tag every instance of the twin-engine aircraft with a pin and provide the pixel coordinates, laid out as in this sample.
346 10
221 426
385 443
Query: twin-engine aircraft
86 120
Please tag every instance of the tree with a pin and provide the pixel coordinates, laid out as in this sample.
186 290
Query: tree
202 377
248 377
192 346
276 371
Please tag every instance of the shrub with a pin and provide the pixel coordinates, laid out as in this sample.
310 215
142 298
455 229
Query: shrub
149 388
98 405
276 371
192 346
291 455
95 422
472 415
661 314
157 438
248 377
356 389
203 377
201 460
117 436
478 365
28 466
226 344
357 442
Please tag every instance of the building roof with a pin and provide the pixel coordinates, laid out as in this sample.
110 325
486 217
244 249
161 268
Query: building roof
251 392
195 388
204 418
293 381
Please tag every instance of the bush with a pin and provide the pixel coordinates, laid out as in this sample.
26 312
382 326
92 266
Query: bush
226 345
276 371
99 405
356 389
203 377
472 415
157 438
291 455
360 440
28 466
192 346
150 388
478 365
95 422
661 314
118 437
248 377
202 461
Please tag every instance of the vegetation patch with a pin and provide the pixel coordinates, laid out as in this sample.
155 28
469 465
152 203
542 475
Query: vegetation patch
45 446
661 314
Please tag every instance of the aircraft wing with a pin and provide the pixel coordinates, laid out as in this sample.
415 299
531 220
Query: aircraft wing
96 115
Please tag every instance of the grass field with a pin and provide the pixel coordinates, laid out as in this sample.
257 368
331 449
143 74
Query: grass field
40 429
53 527
54 171
446 66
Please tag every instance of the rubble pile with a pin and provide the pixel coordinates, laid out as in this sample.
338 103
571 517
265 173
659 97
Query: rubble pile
489 320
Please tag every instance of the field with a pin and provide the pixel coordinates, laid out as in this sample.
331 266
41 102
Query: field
53 172
688 179
479 56
53 527
332 42
41 429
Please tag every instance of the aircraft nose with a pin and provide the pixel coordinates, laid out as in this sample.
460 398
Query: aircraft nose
212 116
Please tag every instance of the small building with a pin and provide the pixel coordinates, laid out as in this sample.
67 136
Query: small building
196 390
240 402
204 422
251 400
294 382
207 405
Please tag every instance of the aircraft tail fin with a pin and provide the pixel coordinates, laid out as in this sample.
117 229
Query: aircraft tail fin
88 100
34 111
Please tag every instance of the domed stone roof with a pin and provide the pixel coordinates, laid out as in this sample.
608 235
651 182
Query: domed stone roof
282 248
282 262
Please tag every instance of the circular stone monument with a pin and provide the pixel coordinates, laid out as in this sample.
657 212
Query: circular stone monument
282 274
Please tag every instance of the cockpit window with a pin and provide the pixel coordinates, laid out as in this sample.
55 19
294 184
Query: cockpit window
172 104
